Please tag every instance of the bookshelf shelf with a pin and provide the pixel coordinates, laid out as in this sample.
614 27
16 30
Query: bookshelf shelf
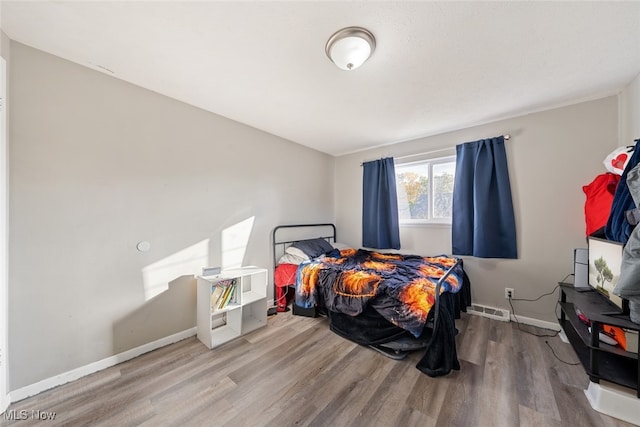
250 297
222 316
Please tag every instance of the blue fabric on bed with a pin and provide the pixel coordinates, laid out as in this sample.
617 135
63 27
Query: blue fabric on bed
335 253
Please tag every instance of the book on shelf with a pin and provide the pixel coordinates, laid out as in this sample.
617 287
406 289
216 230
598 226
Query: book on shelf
231 295
216 293
226 295
222 293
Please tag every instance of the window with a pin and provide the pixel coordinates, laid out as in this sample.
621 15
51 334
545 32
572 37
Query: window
425 190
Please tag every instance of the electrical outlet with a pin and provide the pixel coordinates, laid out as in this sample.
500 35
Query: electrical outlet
508 293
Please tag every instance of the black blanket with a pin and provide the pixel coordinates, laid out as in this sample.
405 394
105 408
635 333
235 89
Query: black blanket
440 356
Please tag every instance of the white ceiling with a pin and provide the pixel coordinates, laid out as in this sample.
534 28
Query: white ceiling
438 66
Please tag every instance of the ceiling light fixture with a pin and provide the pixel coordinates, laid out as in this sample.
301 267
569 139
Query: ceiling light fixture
350 47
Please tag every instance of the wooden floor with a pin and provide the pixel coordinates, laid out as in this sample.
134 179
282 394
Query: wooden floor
296 372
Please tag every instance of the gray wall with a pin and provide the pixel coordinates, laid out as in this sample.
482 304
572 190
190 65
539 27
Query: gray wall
4 227
552 154
4 46
98 165
630 113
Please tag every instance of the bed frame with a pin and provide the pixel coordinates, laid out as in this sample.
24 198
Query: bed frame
284 235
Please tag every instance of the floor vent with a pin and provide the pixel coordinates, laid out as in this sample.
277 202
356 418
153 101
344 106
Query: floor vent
490 312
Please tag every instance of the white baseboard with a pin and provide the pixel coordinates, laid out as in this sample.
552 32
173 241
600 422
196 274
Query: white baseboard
554 326
563 336
490 312
46 384
614 401
505 315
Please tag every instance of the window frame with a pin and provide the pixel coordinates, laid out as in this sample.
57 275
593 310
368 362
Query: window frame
431 161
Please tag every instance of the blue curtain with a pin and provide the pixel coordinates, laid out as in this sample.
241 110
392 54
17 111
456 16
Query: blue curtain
483 223
380 226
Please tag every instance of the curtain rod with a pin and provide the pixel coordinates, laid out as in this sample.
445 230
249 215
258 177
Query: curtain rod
506 138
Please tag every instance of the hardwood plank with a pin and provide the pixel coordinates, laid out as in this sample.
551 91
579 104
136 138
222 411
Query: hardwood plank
397 387
415 419
132 415
259 398
428 395
573 406
473 343
463 398
533 385
499 403
350 394
297 401
195 403
564 366
532 418
501 332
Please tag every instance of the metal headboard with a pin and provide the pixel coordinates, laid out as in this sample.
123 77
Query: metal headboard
280 239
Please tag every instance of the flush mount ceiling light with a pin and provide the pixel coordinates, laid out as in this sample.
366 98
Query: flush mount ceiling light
350 47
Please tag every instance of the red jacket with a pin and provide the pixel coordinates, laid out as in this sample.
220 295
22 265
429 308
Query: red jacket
599 199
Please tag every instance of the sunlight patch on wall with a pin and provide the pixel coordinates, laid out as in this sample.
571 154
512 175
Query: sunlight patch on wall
234 243
188 261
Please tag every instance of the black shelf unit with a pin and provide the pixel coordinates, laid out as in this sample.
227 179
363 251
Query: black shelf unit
600 361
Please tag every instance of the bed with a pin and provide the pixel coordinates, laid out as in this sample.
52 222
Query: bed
395 303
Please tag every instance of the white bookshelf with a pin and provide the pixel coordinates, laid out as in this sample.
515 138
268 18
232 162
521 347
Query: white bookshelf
245 312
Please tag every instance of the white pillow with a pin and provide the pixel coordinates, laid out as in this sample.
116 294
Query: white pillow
297 253
291 259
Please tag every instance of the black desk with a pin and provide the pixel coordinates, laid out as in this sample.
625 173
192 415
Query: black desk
599 361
